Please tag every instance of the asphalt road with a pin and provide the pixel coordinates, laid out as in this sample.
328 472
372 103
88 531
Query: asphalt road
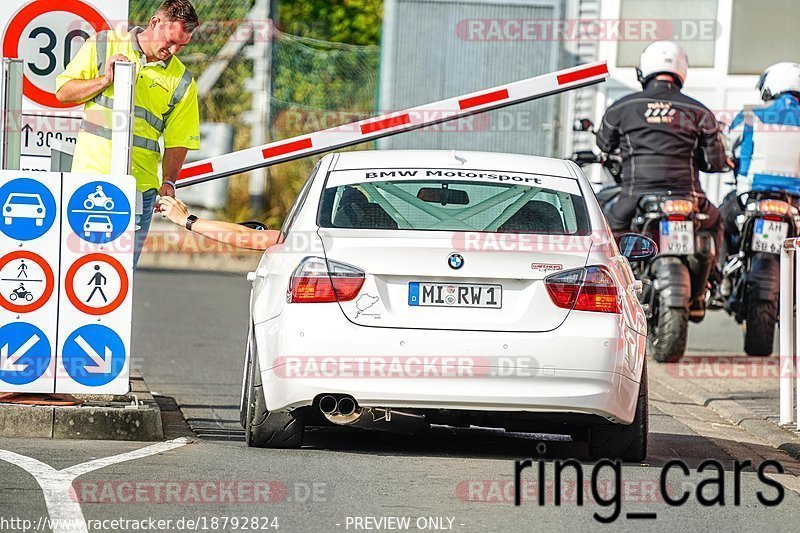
189 337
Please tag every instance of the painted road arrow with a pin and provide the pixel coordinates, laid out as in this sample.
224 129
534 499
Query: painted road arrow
8 363
103 365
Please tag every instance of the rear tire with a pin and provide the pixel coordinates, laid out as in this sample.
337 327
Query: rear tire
264 429
625 442
759 327
666 342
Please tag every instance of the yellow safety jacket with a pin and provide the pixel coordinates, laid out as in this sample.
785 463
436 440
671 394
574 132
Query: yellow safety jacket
165 104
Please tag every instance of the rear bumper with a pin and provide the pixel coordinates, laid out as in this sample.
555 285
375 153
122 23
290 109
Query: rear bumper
590 365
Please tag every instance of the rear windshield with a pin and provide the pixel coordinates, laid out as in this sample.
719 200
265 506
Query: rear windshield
450 205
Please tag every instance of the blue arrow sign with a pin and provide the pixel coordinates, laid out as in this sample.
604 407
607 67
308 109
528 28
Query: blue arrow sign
99 212
28 209
24 353
93 355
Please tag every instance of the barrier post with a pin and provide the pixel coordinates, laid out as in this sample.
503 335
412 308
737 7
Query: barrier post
122 130
11 118
787 323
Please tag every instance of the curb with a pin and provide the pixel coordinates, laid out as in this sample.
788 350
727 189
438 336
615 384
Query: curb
134 416
731 410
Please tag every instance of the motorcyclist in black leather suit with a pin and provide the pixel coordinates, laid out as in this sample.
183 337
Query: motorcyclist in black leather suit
665 138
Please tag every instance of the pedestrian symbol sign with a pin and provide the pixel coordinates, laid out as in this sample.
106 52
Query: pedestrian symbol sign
99 212
28 209
25 353
93 355
96 284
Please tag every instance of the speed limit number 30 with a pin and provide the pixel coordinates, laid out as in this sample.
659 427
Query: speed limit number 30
46 35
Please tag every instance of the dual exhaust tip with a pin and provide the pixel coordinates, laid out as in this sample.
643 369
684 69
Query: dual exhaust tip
343 405
343 410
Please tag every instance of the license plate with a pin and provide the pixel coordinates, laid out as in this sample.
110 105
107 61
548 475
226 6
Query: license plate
768 235
677 237
455 295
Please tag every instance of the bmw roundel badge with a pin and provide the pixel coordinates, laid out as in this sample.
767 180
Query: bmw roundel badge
455 261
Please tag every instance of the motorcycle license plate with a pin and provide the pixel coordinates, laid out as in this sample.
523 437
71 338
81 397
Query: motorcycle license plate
677 237
768 235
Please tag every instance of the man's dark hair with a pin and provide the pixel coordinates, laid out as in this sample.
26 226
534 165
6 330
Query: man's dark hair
180 11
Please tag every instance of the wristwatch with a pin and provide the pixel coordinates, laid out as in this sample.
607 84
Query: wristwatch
189 221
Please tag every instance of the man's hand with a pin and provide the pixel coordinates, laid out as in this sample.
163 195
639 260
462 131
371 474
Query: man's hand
108 76
174 209
167 190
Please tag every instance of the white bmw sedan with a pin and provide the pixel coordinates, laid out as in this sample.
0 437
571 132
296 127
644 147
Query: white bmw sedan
412 288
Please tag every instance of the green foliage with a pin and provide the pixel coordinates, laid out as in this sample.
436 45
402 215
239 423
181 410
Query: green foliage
316 84
341 21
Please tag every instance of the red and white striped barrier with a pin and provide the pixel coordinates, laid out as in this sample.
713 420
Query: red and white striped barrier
392 123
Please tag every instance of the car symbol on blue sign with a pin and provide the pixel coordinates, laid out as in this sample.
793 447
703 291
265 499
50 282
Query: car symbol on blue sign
24 353
28 209
99 212
93 355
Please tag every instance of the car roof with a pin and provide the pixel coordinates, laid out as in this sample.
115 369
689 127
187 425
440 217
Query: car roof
450 158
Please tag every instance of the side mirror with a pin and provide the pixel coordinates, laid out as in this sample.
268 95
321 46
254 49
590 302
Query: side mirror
254 224
583 124
637 247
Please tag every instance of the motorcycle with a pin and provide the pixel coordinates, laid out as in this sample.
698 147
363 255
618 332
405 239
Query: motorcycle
751 277
21 294
99 199
679 273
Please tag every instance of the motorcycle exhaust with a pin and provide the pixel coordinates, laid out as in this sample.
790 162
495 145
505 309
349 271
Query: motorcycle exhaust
344 411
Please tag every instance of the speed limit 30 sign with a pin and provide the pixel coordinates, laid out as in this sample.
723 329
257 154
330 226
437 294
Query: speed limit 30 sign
46 35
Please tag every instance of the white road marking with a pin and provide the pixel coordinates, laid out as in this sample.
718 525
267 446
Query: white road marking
65 512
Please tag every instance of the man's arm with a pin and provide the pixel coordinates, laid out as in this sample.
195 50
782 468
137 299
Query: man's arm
711 155
608 134
170 168
224 232
78 91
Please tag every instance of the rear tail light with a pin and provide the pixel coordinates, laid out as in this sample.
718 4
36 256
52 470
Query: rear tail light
586 289
316 280
773 207
681 208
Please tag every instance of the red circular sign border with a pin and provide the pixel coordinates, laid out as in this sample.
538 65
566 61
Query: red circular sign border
70 289
49 281
24 16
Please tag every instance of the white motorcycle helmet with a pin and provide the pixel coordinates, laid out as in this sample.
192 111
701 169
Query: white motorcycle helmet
662 57
779 78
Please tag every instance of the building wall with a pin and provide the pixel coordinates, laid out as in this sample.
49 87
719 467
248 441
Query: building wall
428 53
761 31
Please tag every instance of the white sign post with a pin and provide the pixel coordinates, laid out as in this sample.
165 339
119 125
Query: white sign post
46 35
11 106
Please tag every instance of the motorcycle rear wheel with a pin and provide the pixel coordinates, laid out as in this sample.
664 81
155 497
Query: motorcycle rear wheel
666 341
759 327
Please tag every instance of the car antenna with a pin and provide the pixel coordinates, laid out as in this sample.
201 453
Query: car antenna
460 160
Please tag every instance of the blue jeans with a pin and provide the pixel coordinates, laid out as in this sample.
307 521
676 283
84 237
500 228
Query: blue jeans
143 223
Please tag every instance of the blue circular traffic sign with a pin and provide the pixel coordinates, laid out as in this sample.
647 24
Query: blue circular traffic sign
25 353
99 212
28 209
93 355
